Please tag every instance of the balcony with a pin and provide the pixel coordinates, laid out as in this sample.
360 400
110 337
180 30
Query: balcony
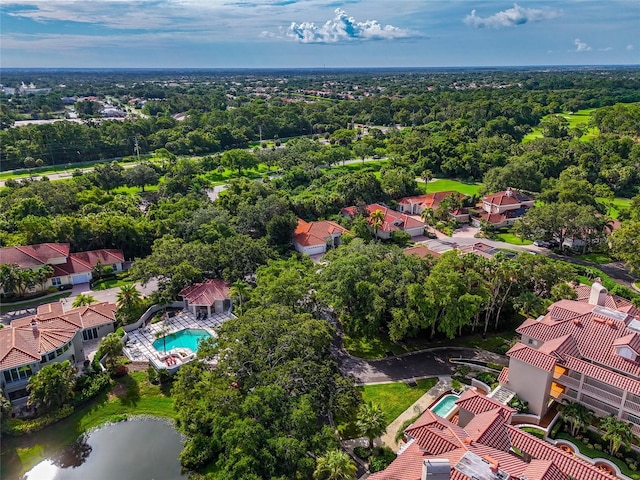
629 405
567 381
607 397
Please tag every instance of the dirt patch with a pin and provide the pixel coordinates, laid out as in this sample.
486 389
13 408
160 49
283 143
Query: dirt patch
137 366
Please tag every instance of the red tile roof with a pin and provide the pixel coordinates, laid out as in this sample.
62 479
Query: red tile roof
612 301
532 356
392 220
21 343
429 200
507 197
476 403
206 293
33 255
420 251
316 233
487 437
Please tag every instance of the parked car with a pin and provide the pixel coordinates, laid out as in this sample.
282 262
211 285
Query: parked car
542 243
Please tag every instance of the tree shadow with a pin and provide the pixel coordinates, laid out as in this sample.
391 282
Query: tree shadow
74 455
128 391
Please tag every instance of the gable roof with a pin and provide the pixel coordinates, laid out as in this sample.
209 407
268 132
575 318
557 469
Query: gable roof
430 200
488 439
206 293
420 251
531 356
28 338
507 197
30 256
316 233
476 403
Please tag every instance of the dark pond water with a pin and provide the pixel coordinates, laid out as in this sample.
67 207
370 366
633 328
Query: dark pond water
140 449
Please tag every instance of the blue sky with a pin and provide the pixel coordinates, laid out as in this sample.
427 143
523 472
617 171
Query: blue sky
317 33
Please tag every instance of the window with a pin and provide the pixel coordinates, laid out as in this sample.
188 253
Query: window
90 334
51 356
17 374
58 352
43 359
56 282
114 266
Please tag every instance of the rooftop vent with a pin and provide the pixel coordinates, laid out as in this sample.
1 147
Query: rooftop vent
598 294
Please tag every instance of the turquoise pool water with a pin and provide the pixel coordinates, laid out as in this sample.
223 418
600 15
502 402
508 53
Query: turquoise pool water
187 338
445 405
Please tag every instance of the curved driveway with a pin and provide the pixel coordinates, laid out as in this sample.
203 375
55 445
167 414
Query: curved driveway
410 366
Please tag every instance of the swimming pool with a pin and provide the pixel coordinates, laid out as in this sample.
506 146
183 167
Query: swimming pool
445 405
187 338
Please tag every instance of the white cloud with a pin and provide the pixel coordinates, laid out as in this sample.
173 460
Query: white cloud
343 28
581 46
510 18
629 47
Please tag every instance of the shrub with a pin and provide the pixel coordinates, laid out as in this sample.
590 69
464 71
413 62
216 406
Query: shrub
381 459
153 375
17 427
88 386
362 452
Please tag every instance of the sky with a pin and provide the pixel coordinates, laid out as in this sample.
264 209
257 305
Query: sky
317 33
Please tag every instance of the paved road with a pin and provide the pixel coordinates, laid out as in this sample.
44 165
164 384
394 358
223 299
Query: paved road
427 363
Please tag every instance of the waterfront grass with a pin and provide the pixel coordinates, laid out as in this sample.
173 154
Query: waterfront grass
131 395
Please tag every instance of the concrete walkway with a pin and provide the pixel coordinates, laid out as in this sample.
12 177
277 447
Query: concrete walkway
388 439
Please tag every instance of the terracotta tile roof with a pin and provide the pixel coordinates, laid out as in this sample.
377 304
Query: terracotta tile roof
561 347
392 220
476 403
21 343
488 428
611 301
33 255
420 251
503 378
498 218
316 233
605 375
429 200
507 197
206 293
106 256
541 450
549 462
632 341
532 356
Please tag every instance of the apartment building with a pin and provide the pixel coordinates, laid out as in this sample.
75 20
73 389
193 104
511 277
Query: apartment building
585 350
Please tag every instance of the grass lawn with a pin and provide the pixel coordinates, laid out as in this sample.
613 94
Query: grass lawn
134 190
596 257
131 395
575 119
512 239
119 281
216 177
445 184
392 398
615 206
371 348
374 165
7 307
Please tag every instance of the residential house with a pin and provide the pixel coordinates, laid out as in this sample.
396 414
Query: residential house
417 204
392 221
211 295
502 209
585 350
314 238
482 445
68 268
421 251
51 335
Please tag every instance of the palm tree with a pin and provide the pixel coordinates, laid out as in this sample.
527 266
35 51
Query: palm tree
84 299
239 290
128 298
9 275
111 346
426 175
576 415
335 465
617 432
370 422
428 216
42 275
377 220
26 279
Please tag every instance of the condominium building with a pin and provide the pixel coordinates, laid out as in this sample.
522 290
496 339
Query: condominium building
585 350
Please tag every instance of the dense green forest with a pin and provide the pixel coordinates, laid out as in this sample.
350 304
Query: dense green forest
272 405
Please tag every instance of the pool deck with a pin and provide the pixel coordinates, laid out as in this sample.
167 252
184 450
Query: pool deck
139 345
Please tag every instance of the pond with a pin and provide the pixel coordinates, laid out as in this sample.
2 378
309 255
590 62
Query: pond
135 449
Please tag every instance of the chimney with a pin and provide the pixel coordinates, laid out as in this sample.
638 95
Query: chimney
598 295
34 325
509 192
436 469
